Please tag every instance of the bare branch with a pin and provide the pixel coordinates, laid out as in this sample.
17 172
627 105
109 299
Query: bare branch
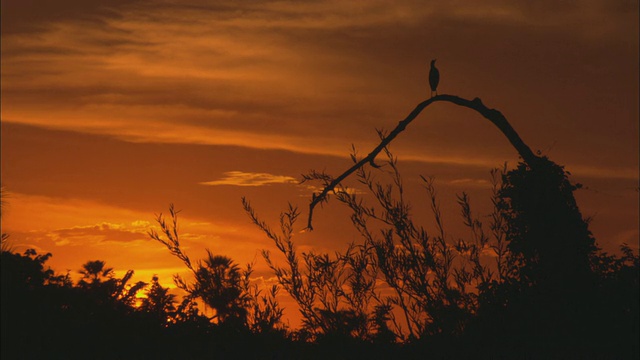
476 104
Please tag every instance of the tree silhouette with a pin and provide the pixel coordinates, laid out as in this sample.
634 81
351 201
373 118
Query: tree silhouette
221 284
555 292
546 231
95 271
158 301
218 284
100 281
45 315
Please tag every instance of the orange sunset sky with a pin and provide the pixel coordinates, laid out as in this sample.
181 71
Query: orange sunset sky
112 110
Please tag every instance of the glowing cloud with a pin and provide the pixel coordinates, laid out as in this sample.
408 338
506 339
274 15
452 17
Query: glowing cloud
240 178
99 233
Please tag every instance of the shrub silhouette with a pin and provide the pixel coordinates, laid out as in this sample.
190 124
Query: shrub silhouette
222 285
557 301
536 300
545 229
45 315
218 283
159 303
433 282
547 291
519 303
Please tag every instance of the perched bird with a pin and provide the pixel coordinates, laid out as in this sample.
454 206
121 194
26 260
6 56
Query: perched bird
434 77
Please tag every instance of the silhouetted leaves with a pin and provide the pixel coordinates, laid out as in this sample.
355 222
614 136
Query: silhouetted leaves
528 283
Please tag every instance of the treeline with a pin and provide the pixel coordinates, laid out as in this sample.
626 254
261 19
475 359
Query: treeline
529 282
48 316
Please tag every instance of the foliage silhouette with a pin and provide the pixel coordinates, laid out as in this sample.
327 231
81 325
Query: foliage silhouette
534 297
557 299
447 299
222 285
158 302
432 280
45 315
545 291
96 272
218 284
331 292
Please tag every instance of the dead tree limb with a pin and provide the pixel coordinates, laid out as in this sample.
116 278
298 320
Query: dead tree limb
476 104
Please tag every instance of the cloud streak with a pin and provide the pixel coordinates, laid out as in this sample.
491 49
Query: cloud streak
240 178
258 74
100 233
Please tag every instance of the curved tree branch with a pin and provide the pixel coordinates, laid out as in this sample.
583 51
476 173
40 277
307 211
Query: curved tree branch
476 104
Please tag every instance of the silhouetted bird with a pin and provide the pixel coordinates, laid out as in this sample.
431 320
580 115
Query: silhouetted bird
434 77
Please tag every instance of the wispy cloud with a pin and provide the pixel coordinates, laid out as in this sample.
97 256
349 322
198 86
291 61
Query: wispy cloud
240 178
266 74
79 230
100 233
